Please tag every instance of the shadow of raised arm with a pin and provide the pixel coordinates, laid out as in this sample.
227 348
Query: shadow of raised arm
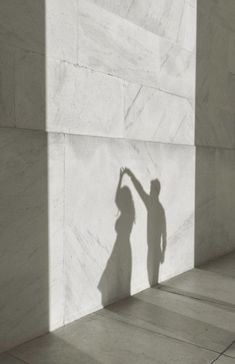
139 188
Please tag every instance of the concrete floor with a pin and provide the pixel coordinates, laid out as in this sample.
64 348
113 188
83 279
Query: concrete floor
189 319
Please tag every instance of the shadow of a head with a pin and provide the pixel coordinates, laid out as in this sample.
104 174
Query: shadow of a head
155 187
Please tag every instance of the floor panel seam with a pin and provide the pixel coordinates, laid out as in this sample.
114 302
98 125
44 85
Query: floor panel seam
157 333
197 298
222 353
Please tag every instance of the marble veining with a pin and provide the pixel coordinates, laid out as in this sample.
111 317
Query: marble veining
30 90
61 29
83 101
153 115
112 45
169 19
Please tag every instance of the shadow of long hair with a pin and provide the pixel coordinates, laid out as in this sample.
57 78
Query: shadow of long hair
115 282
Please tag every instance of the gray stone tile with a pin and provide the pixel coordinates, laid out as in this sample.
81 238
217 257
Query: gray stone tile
168 19
178 317
231 351
224 265
205 285
98 339
225 360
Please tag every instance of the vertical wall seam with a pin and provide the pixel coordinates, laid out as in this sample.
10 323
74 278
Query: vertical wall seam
63 229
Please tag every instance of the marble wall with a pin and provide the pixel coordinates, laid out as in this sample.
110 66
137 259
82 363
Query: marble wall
97 241
88 87
215 129
24 197
215 86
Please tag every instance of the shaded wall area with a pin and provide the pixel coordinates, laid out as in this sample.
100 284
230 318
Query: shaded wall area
215 130
24 276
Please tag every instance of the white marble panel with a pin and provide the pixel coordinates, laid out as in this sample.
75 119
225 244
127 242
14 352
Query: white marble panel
214 126
158 116
112 45
171 19
83 101
61 29
31 234
96 233
186 35
215 203
73 99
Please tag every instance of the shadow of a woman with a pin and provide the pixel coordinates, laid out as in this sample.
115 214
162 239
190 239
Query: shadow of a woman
156 226
115 281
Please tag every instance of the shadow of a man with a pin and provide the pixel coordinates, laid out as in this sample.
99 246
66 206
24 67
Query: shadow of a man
156 226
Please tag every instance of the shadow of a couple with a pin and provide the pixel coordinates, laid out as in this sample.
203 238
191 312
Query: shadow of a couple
115 281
